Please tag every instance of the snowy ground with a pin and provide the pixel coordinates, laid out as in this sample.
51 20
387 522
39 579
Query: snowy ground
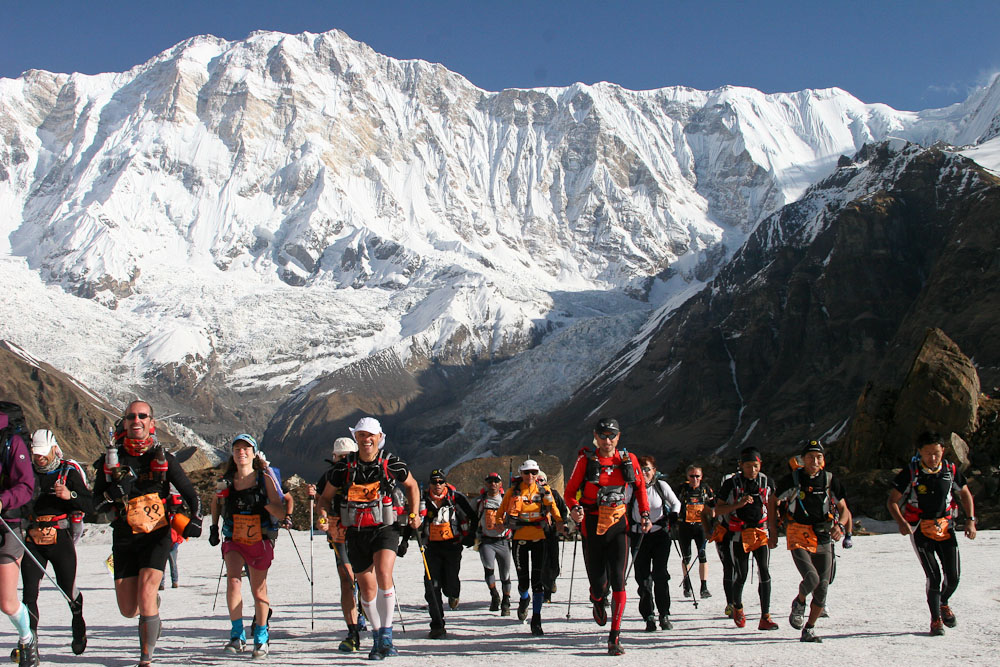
877 611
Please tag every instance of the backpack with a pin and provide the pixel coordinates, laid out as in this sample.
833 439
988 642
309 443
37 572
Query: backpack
739 490
911 508
592 475
368 513
793 494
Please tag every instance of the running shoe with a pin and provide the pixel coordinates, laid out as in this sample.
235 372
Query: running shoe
795 619
600 612
948 616
236 645
739 618
522 608
650 624
766 623
937 627
809 635
665 623
536 625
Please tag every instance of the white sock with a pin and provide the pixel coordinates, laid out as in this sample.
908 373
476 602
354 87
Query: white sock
385 600
371 611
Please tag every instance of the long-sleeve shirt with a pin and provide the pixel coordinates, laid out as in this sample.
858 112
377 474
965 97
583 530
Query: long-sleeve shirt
611 475
17 477
658 511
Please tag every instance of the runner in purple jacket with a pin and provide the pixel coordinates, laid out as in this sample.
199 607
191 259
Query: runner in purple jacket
17 484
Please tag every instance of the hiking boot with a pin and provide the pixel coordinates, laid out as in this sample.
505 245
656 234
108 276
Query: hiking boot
937 627
548 598
505 605
27 654
79 643
260 651
536 625
495 600
387 649
795 619
236 645
739 618
948 616
650 624
766 623
600 612
350 644
687 589
376 652
809 635
522 608
437 633
729 610
453 603
665 623
704 590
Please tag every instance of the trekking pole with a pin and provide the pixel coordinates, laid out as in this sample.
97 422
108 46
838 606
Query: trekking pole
299 554
420 544
687 573
572 571
32 557
562 555
634 554
400 612
218 585
312 592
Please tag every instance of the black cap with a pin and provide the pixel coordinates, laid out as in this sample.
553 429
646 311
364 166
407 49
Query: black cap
813 446
437 475
749 454
607 425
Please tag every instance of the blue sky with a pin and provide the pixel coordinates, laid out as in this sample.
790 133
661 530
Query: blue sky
912 55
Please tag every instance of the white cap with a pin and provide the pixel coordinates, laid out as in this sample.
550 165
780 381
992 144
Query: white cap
344 446
530 464
368 425
541 476
42 442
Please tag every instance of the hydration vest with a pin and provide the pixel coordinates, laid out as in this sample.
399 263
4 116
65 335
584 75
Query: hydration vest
740 489
948 506
378 503
488 507
247 502
449 521
592 475
796 495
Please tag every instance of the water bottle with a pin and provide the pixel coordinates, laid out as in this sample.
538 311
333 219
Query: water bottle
388 511
111 464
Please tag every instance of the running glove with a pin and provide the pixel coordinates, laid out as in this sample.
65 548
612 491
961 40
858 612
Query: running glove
213 536
193 529
848 543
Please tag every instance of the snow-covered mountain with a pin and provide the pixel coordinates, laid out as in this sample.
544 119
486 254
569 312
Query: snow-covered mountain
238 220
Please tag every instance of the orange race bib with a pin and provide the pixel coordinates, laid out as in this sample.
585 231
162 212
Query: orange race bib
246 529
753 539
801 536
363 493
607 516
44 535
441 531
693 512
146 513
936 529
718 534
490 519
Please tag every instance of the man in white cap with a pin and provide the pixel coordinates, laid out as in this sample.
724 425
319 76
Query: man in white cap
337 537
377 496
60 489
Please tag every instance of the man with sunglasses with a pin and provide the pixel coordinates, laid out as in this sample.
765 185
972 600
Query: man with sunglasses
596 494
695 496
133 481
445 529
494 543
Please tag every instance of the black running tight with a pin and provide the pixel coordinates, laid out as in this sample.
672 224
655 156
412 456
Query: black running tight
941 581
741 570
62 555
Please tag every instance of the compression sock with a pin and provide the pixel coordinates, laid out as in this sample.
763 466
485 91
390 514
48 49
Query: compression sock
537 599
149 631
385 600
617 609
21 621
371 611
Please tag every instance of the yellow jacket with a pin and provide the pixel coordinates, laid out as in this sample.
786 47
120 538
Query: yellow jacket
528 510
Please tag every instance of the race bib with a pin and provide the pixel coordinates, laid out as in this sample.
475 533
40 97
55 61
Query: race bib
693 512
246 529
800 536
936 529
363 493
718 534
146 513
43 536
490 519
441 531
607 516
753 539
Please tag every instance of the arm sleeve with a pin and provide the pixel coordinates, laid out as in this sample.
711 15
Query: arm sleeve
75 481
20 476
575 480
177 477
640 485
673 502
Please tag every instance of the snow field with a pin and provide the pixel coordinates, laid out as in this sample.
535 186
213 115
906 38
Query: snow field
877 612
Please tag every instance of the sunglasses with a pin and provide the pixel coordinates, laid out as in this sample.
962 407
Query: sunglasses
437 482
647 468
132 416
529 472
493 481
607 436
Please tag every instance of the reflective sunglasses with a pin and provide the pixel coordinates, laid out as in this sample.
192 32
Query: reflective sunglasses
607 436
132 416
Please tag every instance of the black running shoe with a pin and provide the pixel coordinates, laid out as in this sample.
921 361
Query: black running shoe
27 654
494 600
505 606
948 616
705 593
665 623
536 625
600 613
522 608
79 644
809 635
650 624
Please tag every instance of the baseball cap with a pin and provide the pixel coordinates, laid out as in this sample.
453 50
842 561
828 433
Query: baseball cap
343 446
42 442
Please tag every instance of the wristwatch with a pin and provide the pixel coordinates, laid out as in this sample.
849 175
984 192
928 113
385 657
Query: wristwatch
971 518
72 494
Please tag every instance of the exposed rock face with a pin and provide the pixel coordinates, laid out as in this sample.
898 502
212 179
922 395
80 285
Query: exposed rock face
828 294
940 393
78 417
468 476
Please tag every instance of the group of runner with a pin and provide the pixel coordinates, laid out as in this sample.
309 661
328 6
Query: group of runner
371 506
